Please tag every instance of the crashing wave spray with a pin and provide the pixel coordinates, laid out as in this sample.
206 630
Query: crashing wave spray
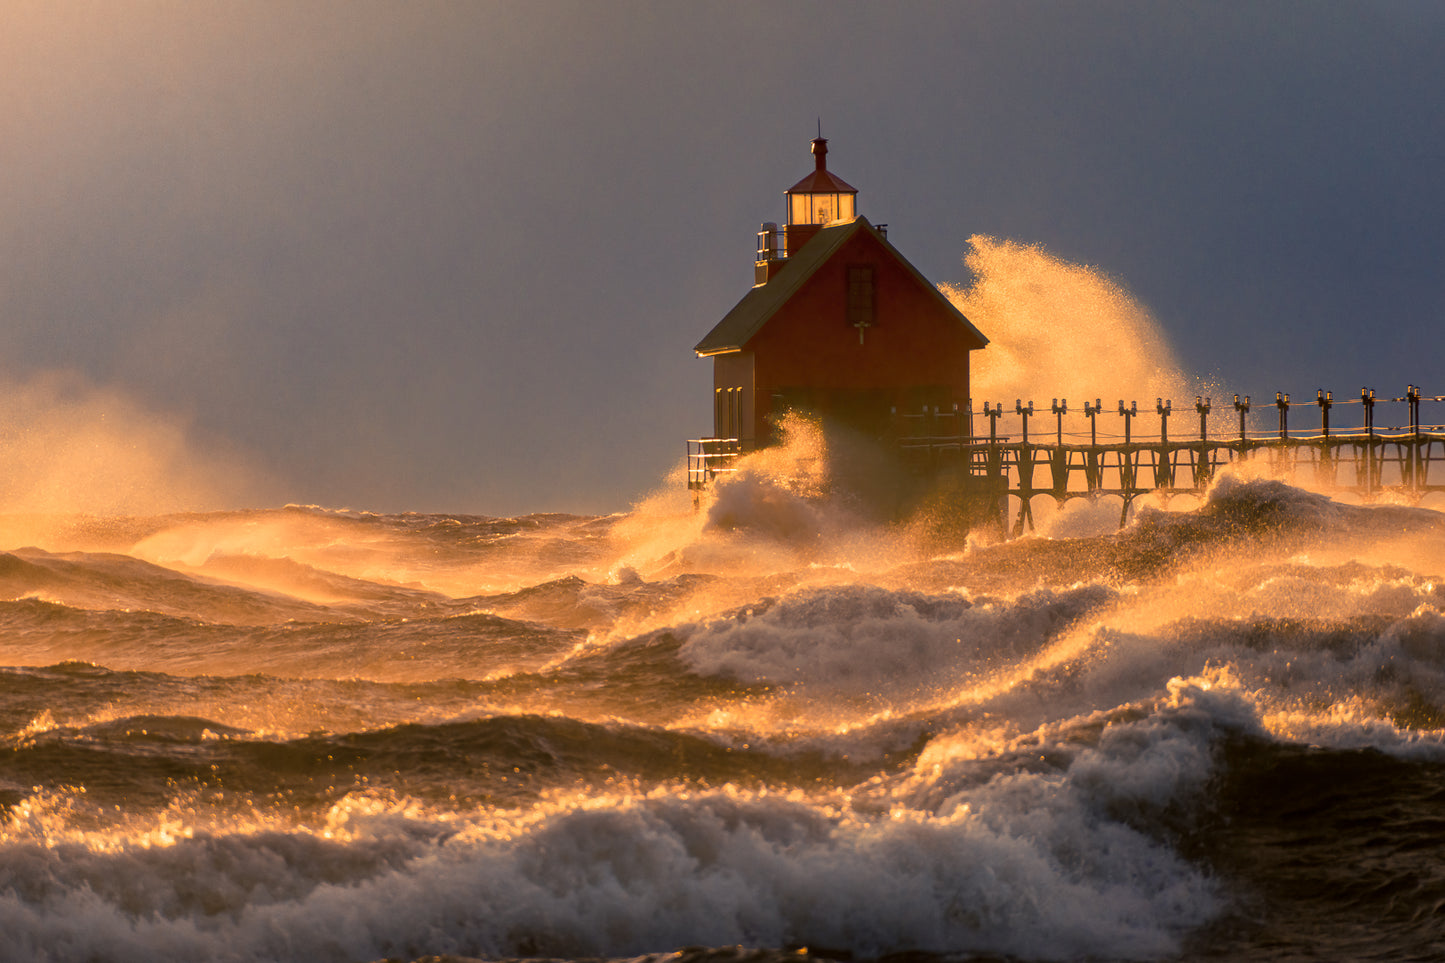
1061 329
70 446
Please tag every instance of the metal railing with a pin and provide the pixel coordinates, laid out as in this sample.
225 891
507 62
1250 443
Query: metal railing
707 458
1403 459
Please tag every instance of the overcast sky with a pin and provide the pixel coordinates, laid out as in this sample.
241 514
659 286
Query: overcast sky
454 256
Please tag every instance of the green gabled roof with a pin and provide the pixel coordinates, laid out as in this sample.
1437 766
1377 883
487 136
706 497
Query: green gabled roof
758 306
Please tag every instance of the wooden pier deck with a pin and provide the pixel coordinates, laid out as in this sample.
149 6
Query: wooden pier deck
1401 457
1404 460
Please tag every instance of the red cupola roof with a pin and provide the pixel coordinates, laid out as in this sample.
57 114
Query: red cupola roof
821 181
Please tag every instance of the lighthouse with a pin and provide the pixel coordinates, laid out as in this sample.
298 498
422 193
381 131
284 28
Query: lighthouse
838 326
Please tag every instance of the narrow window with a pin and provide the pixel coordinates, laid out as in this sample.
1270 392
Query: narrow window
860 299
727 412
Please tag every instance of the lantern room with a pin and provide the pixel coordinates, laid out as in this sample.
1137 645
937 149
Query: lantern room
820 198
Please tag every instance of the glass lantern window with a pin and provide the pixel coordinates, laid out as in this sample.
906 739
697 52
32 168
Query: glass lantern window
804 208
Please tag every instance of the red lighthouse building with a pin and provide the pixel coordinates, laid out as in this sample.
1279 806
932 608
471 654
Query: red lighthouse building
839 326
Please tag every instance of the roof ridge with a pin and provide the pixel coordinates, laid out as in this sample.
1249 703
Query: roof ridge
758 306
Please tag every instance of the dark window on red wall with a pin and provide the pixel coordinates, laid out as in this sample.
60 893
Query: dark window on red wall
860 297
727 412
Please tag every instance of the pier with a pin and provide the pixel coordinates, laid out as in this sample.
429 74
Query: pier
1065 453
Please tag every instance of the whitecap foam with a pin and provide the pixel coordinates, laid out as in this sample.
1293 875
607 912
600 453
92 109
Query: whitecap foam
863 638
620 876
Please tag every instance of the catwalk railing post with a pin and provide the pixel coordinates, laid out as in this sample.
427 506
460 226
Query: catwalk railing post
1243 408
1092 479
1371 480
1203 468
997 480
1026 469
1164 464
1278 455
1412 395
1059 457
1325 470
1127 460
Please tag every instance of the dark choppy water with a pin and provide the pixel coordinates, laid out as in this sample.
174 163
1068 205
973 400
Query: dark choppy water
324 736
